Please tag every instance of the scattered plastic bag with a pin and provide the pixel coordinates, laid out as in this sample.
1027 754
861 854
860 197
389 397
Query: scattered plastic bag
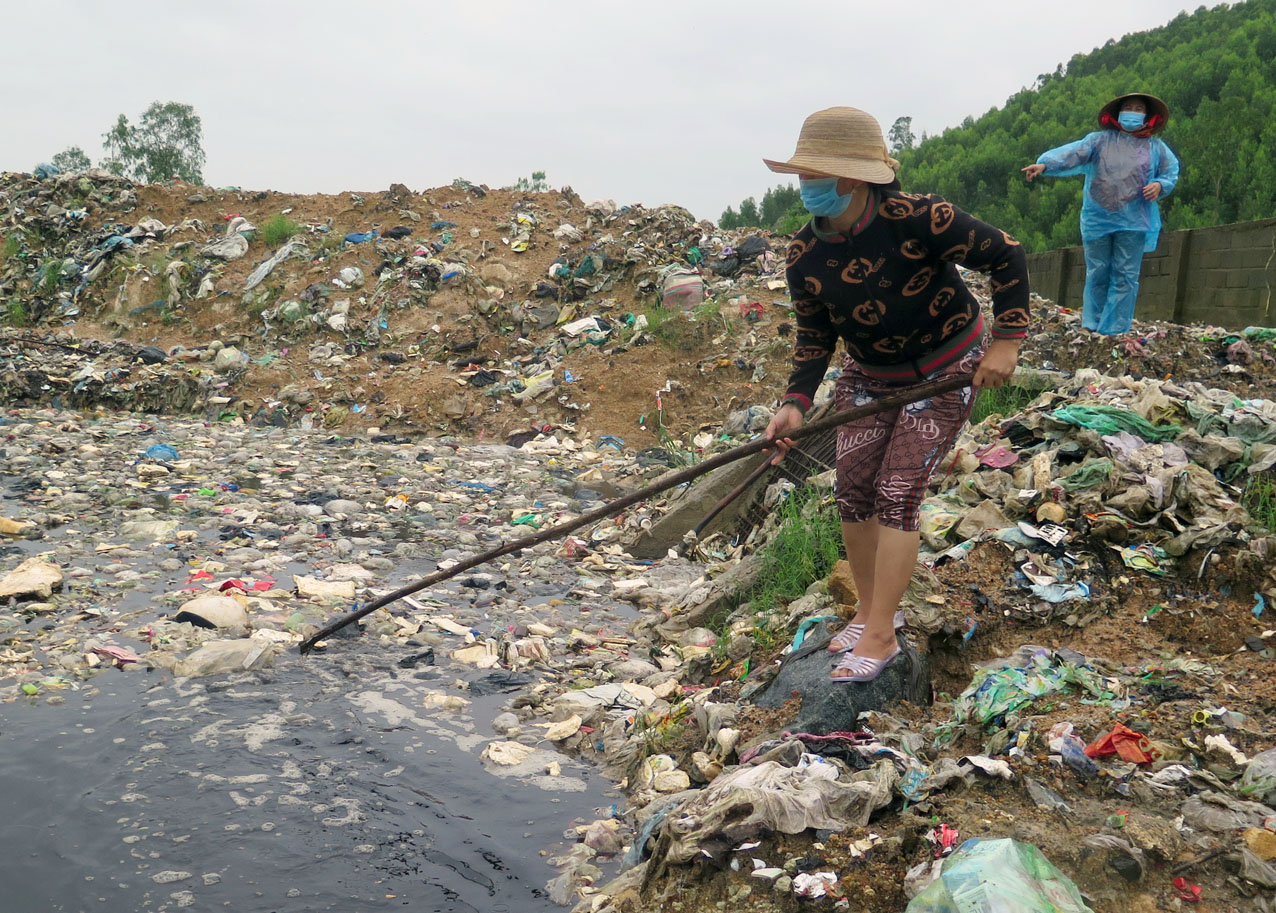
231 248
1061 592
938 517
1132 747
682 289
812 885
1114 419
1259 781
291 249
349 277
994 692
1005 876
1129 861
1045 797
1089 474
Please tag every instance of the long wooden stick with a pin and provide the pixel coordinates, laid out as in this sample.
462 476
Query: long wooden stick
885 404
689 541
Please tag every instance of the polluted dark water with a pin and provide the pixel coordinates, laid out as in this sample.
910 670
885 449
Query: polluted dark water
352 779
303 788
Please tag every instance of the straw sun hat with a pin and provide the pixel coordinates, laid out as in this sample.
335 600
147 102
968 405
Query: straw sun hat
840 142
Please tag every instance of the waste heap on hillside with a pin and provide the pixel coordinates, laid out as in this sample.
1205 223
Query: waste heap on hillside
59 237
83 245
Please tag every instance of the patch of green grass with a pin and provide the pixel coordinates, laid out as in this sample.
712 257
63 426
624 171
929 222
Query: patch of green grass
11 248
278 229
709 311
668 735
663 323
804 549
1259 498
15 314
1005 400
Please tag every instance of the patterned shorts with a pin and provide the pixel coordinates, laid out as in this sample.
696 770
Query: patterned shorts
885 461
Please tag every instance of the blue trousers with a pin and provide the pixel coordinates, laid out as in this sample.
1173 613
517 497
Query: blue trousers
1112 281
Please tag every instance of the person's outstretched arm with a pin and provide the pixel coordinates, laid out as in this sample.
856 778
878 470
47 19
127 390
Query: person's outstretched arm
1062 161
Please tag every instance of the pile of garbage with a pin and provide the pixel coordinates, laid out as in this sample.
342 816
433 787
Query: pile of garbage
473 297
465 306
63 371
1236 358
1107 520
1152 469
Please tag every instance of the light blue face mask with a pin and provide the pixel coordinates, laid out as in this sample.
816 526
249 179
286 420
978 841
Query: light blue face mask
820 197
1131 120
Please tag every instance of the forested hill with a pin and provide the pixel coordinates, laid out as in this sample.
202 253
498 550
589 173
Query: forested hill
1215 68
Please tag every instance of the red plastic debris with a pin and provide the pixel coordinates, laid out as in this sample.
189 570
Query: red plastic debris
1187 891
944 838
1132 747
997 457
259 586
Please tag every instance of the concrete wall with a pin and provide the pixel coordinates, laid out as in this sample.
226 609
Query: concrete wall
1224 275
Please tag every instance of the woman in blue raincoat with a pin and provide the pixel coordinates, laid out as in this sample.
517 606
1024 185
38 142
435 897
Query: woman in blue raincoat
1127 169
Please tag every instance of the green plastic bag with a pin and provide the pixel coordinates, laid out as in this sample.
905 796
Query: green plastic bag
995 692
1089 474
1114 420
999 876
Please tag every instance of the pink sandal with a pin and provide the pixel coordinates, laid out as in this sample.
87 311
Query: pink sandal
854 668
849 636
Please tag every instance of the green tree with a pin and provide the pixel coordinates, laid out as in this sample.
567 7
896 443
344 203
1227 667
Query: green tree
72 158
775 204
901 135
1215 67
165 143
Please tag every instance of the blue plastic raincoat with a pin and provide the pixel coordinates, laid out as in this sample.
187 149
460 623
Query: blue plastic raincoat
1117 166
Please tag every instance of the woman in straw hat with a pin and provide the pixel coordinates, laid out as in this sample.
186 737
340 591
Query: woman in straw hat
877 268
1127 169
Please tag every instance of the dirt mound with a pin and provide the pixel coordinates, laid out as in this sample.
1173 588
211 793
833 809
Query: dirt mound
460 309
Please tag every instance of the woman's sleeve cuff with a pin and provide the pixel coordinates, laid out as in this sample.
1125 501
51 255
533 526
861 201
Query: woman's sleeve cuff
797 399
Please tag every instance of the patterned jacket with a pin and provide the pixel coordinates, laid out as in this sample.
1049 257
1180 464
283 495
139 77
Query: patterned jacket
892 293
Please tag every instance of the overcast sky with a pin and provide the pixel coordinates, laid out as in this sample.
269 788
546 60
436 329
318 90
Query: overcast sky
655 101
